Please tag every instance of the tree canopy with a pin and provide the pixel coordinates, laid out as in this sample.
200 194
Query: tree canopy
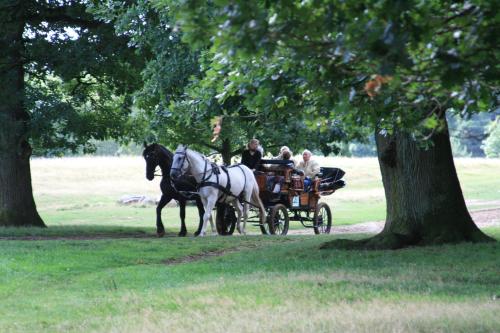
79 75
395 67
180 90
377 63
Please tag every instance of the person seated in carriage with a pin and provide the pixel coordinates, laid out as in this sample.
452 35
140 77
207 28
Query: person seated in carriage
285 154
251 156
309 167
282 150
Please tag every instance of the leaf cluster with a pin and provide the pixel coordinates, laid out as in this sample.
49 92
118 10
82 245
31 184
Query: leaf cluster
439 55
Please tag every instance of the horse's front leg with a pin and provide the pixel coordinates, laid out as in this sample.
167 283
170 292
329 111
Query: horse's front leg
212 226
245 216
238 208
208 206
201 213
160 229
182 214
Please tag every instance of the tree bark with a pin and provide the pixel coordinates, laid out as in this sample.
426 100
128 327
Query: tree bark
17 205
425 204
226 152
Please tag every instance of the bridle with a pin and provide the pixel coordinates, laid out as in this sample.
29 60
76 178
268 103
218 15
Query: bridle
184 158
205 177
148 157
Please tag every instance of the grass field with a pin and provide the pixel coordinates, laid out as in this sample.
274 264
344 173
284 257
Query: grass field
84 191
261 284
140 283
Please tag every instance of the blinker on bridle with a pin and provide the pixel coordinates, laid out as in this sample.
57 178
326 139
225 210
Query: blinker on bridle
184 158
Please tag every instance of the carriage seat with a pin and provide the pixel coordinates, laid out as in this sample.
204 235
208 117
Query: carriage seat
274 184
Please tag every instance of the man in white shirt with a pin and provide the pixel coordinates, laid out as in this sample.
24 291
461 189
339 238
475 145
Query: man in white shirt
310 167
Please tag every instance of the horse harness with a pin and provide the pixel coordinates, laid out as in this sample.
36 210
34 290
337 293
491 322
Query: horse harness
215 170
226 191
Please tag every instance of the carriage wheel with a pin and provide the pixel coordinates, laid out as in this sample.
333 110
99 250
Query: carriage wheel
278 220
225 219
322 219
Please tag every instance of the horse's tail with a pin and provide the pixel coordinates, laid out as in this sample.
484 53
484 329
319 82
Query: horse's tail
256 200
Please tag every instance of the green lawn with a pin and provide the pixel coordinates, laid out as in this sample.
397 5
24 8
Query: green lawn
84 280
262 284
84 191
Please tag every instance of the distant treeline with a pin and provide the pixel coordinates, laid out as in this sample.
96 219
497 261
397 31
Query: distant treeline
477 136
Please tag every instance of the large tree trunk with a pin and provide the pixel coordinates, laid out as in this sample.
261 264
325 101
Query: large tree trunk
17 206
425 204
226 152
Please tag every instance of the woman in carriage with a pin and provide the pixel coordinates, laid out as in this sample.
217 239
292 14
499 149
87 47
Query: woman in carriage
251 156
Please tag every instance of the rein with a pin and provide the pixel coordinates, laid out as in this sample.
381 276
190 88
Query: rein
204 180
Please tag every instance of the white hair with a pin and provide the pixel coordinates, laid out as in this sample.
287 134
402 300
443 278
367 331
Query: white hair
282 149
306 151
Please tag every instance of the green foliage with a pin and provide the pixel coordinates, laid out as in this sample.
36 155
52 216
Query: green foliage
181 91
468 132
115 148
358 149
78 75
169 63
458 148
491 145
433 56
64 121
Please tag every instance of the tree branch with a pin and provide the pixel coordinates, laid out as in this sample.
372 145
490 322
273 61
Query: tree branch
209 146
464 12
62 15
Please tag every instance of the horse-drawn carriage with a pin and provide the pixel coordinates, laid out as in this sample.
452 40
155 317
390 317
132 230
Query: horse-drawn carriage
280 188
288 196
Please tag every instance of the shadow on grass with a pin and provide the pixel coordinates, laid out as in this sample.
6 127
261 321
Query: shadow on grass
78 232
442 271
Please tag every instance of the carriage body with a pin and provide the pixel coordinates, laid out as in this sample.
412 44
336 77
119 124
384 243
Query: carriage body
288 196
278 185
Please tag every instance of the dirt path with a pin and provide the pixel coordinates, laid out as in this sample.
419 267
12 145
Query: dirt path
483 218
199 256
208 254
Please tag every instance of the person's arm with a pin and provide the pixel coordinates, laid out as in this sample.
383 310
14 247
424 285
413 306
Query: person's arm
245 157
254 160
300 168
258 157
315 168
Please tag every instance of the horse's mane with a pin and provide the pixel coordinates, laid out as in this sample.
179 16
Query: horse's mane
203 157
167 153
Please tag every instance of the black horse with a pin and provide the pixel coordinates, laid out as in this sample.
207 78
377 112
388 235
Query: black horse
157 155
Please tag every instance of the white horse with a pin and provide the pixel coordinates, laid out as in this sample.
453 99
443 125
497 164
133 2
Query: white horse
213 184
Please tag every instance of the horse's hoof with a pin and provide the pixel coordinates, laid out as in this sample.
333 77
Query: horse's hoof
182 234
196 234
160 234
